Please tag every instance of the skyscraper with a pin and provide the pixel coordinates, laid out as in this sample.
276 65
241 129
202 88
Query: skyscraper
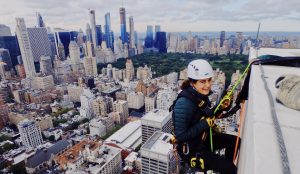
88 33
25 47
40 22
10 43
149 37
93 28
80 37
222 38
39 42
108 33
4 30
123 25
99 34
74 52
136 38
132 34
5 56
157 29
161 42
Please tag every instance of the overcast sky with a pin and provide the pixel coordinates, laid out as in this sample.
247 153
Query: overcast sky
172 15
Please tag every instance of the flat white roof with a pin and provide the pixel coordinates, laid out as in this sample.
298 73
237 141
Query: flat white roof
158 143
128 135
259 149
254 53
157 115
131 157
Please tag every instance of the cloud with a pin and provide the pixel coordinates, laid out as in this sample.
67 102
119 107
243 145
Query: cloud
186 14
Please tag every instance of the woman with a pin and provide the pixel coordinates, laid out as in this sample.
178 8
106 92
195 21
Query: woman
193 117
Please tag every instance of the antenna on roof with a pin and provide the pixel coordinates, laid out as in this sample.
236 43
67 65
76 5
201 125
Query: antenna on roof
256 42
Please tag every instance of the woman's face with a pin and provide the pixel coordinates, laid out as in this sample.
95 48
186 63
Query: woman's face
203 86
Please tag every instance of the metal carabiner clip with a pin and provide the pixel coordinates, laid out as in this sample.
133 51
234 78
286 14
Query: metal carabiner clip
185 148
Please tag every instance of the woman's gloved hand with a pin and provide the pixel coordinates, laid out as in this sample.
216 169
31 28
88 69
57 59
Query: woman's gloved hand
217 129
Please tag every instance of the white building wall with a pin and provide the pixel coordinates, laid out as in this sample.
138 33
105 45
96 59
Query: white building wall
25 47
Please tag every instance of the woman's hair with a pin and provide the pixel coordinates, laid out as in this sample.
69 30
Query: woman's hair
186 83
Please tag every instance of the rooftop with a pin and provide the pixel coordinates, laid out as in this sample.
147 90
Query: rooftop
158 143
72 154
44 154
157 115
129 135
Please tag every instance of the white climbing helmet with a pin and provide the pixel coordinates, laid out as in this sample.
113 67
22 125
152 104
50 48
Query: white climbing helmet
199 69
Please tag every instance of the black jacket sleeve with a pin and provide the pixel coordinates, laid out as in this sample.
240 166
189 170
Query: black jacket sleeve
184 111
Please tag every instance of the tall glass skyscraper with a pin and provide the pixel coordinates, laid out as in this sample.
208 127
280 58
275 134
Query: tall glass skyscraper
161 42
99 34
131 32
222 38
93 28
149 37
157 29
123 25
10 43
108 33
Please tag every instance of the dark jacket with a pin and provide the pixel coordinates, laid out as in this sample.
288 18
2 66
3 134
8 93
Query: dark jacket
188 125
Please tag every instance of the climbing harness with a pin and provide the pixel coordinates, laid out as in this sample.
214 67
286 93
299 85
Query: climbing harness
197 161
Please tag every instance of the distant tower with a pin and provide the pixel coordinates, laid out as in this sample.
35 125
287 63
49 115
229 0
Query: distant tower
5 56
25 47
132 34
61 51
4 30
123 25
40 22
157 29
222 38
30 133
74 52
108 33
46 65
88 33
161 42
149 37
93 28
99 34
80 38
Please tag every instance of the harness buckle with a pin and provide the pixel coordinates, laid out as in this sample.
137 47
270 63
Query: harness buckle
201 104
197 162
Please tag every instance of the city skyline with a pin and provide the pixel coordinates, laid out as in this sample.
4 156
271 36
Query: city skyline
173 16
